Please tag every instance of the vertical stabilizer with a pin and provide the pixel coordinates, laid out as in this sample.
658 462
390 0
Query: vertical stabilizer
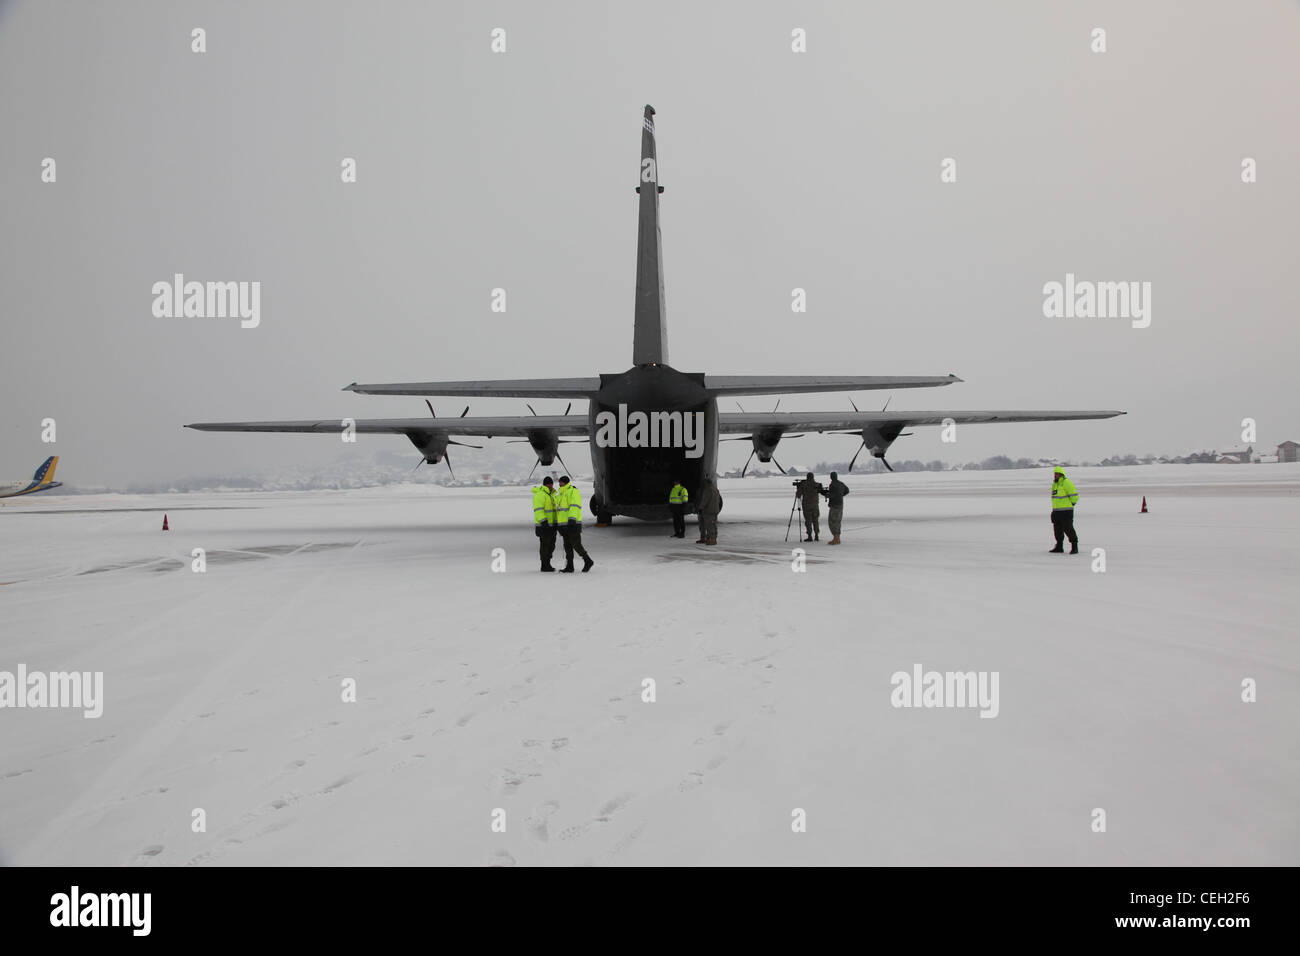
650 335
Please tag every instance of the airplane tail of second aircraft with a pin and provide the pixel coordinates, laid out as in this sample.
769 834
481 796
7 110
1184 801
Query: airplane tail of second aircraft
45 474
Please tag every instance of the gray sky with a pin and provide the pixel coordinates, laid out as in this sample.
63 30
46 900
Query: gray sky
479 170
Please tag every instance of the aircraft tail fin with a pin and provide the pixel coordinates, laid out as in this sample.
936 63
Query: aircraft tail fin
45 474
650 333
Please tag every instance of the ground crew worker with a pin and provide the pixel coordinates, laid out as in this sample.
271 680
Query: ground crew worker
1064 497
544 520
835 506
568 513
709 505
808 490
677 498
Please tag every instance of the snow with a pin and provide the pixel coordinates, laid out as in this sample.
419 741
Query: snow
478 690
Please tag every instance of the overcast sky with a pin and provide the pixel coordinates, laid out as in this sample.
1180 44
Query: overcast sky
477 170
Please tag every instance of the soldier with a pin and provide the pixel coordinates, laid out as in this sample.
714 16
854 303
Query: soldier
709 505
544 520
808 490
1064 497
677 499
835 506
568 512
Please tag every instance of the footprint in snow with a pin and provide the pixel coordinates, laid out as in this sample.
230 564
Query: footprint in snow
537 823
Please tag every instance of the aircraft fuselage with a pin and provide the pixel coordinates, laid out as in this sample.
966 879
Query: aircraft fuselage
632 478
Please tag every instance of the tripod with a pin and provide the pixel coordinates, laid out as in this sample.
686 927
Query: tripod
793 506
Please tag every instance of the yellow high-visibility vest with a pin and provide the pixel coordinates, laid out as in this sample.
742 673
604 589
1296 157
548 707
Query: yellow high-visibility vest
568 504
1064 494
678 495
543 505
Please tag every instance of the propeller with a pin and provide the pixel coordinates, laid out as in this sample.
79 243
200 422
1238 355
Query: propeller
451 441
883 461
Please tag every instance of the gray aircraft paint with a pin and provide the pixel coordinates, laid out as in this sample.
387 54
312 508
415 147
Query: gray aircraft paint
650 331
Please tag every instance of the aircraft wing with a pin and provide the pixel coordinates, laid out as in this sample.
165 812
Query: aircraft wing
492 388
788 384
732 423
514 426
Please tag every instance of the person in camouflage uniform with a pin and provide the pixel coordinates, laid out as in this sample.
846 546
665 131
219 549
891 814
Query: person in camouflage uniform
808 491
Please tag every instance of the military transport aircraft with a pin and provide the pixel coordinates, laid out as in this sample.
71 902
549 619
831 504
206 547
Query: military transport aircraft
651 423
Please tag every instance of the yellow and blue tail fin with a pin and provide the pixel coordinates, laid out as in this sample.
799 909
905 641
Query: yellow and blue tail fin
45 474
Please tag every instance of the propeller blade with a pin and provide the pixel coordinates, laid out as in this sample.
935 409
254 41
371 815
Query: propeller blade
738 438
557 455
534 468
431 411
465 412
885 463
778 464
887 401
418 464
530 408
776 406
566 411
464 444
741 407
447 459
747 461
855 456
854 404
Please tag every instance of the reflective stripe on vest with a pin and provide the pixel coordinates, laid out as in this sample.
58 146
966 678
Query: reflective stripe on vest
678 496
1064 494
568 504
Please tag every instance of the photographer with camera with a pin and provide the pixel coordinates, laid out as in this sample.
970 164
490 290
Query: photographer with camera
808 492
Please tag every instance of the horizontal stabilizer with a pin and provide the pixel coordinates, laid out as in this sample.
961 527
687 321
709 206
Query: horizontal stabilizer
492 388
740 422
516 426
789 384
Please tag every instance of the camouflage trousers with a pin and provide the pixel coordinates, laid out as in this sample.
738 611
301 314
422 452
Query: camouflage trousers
833 518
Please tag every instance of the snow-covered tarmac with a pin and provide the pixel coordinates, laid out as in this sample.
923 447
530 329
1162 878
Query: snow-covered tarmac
479 690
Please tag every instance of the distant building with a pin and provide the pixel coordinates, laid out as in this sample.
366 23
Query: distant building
1287 451
1236 455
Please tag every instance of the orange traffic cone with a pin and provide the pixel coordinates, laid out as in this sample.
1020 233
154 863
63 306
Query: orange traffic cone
1144 506
165 522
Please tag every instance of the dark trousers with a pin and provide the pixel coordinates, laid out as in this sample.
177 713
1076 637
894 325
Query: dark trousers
546 544
679 520
835 515
812 524
1063 526
572 535
708 525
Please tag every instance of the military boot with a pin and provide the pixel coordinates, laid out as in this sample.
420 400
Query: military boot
568 568
586 563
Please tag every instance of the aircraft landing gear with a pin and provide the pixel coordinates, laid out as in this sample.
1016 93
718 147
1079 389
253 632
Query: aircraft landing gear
603 518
